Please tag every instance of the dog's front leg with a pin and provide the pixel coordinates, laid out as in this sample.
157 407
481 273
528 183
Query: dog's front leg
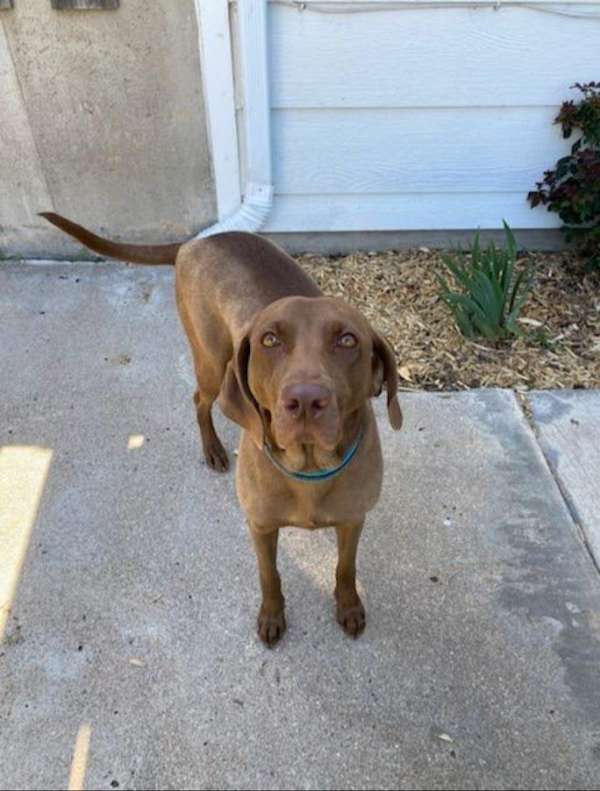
271 616
350 611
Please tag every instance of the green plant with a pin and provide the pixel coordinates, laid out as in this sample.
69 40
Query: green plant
572 189
491 292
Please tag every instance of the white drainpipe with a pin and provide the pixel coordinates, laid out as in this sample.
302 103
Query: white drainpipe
252 212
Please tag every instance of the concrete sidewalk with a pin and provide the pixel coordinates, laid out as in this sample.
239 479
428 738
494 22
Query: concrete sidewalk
134 610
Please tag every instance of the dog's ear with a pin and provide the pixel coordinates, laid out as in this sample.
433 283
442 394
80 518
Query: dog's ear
236 399
385 372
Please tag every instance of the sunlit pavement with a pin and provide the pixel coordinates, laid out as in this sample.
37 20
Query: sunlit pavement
128 590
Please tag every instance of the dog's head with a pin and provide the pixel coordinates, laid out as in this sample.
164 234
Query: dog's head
302 367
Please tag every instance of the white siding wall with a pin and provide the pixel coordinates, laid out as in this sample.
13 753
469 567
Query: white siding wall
421 118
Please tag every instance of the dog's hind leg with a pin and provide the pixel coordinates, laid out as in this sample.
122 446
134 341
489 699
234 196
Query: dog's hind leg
211 350
209 377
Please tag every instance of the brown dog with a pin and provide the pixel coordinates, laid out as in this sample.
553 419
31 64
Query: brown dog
296 370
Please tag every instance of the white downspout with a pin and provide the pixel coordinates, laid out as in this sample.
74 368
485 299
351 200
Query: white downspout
251 215
258 192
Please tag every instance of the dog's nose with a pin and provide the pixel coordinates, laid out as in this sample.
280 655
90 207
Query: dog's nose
305 400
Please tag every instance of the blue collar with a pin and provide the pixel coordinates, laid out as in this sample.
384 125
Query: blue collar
319 475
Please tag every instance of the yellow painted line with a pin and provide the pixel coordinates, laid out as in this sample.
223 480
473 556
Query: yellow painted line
23 473
80 758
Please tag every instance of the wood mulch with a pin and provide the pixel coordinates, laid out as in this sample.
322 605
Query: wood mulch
398 293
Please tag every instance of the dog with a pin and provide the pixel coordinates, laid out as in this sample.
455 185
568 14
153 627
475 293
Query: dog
296 370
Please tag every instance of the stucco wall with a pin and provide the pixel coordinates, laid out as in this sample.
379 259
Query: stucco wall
102 119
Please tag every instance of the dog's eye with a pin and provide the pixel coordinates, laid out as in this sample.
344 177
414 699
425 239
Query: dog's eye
347 340
269 339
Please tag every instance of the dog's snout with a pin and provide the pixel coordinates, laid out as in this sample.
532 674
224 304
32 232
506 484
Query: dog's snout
305 400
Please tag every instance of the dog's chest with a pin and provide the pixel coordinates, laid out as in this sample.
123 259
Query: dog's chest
316 505
311 508
271 500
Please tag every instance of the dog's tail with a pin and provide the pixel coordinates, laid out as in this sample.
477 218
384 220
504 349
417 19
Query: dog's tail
135 253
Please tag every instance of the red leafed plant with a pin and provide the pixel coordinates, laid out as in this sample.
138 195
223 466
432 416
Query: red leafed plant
572 189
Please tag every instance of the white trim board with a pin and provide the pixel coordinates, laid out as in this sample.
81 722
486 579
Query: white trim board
219 95
249 213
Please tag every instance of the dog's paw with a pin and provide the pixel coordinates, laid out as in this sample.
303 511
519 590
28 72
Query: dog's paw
352 619
216 457
271 628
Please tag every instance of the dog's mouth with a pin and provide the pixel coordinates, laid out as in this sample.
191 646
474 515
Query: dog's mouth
310 437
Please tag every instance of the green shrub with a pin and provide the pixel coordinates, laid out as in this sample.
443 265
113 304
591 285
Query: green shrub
490 291
572 189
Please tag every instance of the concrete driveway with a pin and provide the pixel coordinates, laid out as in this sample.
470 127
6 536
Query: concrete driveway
129 586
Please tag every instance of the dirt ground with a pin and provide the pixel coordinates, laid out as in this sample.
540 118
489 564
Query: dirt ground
399 294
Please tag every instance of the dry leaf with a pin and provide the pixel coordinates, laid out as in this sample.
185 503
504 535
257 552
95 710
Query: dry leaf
445 738
137 662
404 372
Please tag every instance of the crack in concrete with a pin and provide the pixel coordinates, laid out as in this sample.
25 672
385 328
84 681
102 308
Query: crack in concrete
527 410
